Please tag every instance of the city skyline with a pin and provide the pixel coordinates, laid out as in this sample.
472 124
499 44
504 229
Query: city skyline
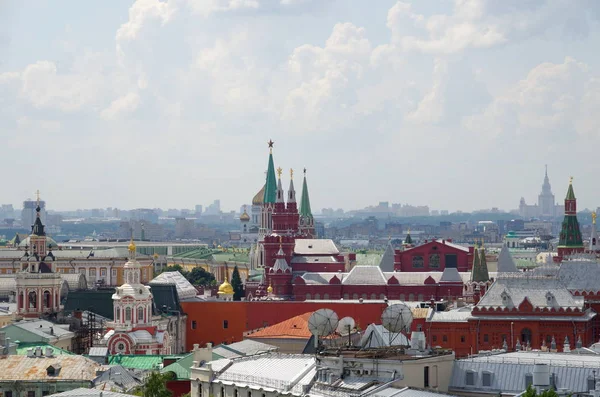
170 104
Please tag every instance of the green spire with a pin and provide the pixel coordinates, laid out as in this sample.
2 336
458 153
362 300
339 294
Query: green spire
305 211
480 272
570 192
271 185
408 239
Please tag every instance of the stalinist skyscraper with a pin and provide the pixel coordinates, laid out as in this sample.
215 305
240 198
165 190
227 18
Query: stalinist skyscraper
546 206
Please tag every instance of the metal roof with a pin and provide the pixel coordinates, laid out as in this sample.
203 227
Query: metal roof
392 391
365 275
580 275
82 392
119 376
315 247
460 315
387 260
509 370
505 261
377 336
185 289
23 368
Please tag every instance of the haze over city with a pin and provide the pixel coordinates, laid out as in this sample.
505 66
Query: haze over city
455 105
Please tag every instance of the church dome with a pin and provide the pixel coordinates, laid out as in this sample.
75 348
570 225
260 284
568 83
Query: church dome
225 288
269 289
260 197
244 216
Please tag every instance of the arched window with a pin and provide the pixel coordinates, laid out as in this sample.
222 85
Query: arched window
525 335
32 300
127 314
317 296
402 297
417 261
420 297
411 297
140 314
346 296
354 296
308 296
47 299
325 296
434 261
364 296
118 313
373 296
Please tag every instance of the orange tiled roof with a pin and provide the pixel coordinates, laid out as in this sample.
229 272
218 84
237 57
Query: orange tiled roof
295 328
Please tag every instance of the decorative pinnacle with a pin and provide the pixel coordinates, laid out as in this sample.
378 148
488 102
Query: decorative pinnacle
304 170
570 180
594 217
279 171
291 173
37 193
271 143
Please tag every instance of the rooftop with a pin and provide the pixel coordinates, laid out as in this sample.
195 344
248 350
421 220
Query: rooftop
295 328
315 247
72 367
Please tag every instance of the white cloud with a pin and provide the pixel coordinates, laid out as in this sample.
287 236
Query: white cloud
553 100
124 104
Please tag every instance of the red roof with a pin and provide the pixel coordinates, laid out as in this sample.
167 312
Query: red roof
295 327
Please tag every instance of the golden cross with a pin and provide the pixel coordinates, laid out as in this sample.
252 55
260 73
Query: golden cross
594 217
279 171
291 173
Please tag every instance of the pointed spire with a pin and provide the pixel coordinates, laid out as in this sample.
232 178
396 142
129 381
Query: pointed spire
570 240
408 240
271 184
38 228
305 211
387 260
506 264
291 190
570 192
280 198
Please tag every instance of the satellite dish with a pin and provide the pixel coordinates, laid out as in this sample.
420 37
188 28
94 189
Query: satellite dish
322 322
345 326
397 318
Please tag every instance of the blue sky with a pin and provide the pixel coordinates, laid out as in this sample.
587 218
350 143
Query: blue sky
453 104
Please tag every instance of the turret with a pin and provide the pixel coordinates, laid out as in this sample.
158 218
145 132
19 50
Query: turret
307 225
269 198
594 243
570 240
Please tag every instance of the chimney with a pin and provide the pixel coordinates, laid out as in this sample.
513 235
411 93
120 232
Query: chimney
541 377
30 353
49 352
38 351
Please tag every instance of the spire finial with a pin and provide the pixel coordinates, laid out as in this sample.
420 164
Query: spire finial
594 217
270 143
304 171
279 171
280 241
546 169
131 246
291 173
37 193
570 180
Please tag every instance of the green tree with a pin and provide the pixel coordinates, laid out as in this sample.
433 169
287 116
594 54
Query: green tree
199 276
531 392
155 385
236 283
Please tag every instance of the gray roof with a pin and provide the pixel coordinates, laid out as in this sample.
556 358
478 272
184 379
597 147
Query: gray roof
387 260
542 292
75 281
185 289
451 275
98 352
305 246
82 392
580 275
505 261
321 277
42 328
460 315
508 371
365 275
246 347
118 376
313 259
391 391
377 336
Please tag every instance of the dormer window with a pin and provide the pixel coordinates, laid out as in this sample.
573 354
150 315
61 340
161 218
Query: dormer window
505 298
549 298
486 379
470 378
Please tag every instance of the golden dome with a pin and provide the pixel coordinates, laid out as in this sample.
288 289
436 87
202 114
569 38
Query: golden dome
270 289
244 216
225 288
131 246
260 197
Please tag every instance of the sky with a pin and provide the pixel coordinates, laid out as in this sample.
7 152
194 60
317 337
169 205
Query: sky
458 105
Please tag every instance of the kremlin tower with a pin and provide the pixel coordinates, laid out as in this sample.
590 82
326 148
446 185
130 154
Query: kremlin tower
307 222
570 241
38 286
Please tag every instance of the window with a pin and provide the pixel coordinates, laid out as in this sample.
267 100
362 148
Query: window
373 296
317 296
113 273
346 296
417 261
194 324
486 379
82 270
426 376
445 338
528 380
419 328
140 314
92 272
8 393
325 296
420 298
225 324
434 261
118 314
308 297
591 384
31 393
462 339
470 378
144 273
435 338
486 338
45 393
354 296
236 393
127 314
411 297
8 271
103 272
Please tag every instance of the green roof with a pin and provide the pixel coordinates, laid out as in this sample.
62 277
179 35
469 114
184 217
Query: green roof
305 202
23 347
271 185
231 257
570 193
181 367
141 361
198 253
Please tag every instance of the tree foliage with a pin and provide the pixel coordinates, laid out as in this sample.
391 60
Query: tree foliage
238 286
531 392
155 385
